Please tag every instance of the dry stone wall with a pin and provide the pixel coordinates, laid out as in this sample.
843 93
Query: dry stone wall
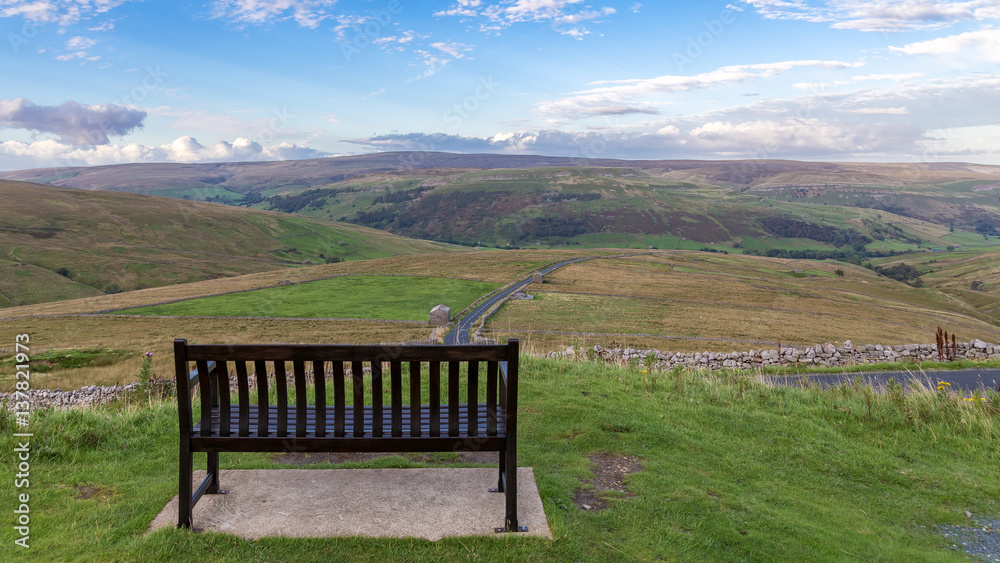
823 355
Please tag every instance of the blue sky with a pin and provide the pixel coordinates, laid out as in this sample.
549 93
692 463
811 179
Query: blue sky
90 82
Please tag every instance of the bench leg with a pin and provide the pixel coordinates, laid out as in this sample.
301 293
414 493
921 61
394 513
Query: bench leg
510 492
503 462
184 490
213 472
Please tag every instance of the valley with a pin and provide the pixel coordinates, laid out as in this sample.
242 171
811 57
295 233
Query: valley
685 255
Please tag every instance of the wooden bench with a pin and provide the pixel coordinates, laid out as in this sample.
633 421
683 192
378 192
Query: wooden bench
239 422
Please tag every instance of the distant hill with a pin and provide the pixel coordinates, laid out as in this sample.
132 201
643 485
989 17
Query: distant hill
62 243
759 206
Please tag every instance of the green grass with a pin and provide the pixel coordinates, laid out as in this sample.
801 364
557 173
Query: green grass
405 298
67 359
732 470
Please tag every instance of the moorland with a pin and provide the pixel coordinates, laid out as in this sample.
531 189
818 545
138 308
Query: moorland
103 265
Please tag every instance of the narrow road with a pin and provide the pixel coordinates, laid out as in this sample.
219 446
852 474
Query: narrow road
964 380
460 334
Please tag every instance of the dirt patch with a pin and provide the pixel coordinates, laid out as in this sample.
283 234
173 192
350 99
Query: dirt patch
609 475
485 458
91 491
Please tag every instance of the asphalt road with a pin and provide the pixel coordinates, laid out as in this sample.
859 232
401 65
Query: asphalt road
460 334
966 380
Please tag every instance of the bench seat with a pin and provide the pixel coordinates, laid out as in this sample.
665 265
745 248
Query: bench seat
483 436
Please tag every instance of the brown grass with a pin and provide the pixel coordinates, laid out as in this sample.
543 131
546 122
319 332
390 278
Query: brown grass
708 302
490 266
137 335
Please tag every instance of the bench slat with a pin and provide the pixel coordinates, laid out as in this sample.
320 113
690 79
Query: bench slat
299 368
473 396
377 399
358 379
491 399
263 404
244 399
338 399
396 398
453 399
281 388
204 386
319 380
435 402
414 399
224 400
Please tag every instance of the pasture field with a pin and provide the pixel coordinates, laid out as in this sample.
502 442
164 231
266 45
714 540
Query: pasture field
698 301
403 298
710 467
670 300
104 239
129 337
496 266
22 284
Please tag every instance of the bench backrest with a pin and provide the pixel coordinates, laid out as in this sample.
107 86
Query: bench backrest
213 363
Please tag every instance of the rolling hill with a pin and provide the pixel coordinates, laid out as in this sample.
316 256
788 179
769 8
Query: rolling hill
679 301
65 243
513 200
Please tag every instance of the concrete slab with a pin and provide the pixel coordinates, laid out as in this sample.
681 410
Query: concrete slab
424 503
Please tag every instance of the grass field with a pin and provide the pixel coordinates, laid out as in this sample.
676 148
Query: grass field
484 266
669 300
698 301
728 469
136 241
403 298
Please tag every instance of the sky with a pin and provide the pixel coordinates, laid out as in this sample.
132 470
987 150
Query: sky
92 82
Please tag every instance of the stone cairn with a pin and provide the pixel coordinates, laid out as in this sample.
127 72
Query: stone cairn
824 355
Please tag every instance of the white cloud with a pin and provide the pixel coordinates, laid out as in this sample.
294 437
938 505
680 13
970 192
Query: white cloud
307 13
72 122
777 135
878 15
61 12
895 77
443 54
503 14
630 92
79 42
71 56
983 45
456 50
901 110
768 138
402 39
106 26
50 153
461 8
